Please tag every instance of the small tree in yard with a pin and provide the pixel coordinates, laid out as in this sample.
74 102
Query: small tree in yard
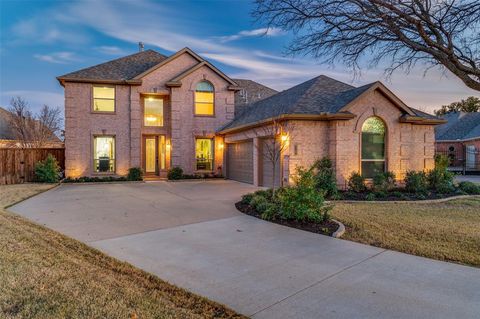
281 132
33 130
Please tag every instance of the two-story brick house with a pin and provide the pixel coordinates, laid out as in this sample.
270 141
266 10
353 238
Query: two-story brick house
156 112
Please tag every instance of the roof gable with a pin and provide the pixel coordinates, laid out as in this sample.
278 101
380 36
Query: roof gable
378 86
177 81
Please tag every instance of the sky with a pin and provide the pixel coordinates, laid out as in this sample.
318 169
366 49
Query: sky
40 40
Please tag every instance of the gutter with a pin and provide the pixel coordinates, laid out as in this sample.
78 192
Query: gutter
62 81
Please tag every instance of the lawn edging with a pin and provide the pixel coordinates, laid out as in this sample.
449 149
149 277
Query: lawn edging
341 229
420 201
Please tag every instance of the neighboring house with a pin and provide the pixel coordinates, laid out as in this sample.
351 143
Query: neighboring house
459 139
158 112
7 134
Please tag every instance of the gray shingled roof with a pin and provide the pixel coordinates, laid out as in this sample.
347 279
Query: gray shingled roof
460 126
250 92
125 68
319 95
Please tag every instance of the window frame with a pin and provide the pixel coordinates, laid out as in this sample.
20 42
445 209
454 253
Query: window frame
144 99
212 148
94 171
385 148
92 109
195 100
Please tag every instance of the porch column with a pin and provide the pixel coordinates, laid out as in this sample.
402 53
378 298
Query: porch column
256 161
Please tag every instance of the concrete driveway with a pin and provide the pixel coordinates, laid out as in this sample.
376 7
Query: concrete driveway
190 234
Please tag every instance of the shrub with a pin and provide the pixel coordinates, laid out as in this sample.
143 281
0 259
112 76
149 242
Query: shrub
302 202
356 183
135 174
469 188
175 173
440 180
383 182
247 198
370 197
267 193
259 203
47 171
325 179
270 212
416 182
95 179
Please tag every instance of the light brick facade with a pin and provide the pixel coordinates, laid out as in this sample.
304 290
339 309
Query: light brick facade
408 146
181 126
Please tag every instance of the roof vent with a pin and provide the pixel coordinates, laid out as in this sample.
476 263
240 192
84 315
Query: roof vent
141 46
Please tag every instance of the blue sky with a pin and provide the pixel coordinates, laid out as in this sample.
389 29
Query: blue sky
40 40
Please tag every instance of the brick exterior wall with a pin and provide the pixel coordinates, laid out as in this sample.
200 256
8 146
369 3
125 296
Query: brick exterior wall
408 146
458 154
126 124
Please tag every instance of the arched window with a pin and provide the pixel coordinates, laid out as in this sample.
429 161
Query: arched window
204 99
373 147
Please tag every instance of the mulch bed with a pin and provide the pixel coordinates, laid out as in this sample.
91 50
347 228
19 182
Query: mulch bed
324 228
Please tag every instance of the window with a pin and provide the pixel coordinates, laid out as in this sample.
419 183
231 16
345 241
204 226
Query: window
104 154
373 147
153 111
204 97
204 154
103 99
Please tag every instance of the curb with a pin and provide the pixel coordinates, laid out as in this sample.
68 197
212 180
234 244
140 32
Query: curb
99 183
340 231
420 201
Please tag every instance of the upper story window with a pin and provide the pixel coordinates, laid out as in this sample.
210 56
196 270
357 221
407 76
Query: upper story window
153 111
373 147
204 99
103 99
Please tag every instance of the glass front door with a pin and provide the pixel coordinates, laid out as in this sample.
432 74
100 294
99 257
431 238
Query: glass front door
150 155
155 154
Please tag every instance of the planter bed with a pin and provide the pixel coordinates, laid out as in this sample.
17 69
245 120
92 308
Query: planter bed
324 228
392 196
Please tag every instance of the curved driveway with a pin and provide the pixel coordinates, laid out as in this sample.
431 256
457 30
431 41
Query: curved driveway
190 234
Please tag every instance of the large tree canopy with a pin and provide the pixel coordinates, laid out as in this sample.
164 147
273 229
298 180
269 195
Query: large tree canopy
402 33
471 104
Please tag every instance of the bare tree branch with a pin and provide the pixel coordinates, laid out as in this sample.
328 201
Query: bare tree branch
33 130
401 32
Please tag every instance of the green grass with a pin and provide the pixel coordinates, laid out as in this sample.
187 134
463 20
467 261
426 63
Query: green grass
44 274
448 231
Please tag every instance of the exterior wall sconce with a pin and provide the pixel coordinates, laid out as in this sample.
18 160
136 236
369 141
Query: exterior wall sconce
168 146
284 137
221 146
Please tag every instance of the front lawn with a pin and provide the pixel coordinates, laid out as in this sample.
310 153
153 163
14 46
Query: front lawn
44 274
448 231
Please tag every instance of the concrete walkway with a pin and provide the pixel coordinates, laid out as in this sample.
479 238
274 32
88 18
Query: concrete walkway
189 233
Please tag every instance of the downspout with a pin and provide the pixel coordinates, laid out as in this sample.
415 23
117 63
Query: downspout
130 125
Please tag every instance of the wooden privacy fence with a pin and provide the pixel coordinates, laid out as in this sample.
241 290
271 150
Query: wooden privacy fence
18 165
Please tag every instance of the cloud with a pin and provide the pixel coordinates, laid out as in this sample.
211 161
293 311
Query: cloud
268 32
57 57
111 50
37 29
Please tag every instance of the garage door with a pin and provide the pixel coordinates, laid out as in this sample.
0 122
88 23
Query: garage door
240 161
266 163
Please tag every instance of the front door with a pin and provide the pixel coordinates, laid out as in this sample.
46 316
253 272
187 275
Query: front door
154 154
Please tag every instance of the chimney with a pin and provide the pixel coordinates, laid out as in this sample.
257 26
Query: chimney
140 46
